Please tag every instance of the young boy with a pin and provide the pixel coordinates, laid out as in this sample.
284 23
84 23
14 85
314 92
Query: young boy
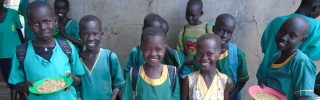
69 28
44 57
291 72
309 9
207 83
103 76
10 37
153 80
172 57
28 33
232 61
189 34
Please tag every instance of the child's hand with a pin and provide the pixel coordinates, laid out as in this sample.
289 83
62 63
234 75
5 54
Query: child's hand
69 74
262 85
28 84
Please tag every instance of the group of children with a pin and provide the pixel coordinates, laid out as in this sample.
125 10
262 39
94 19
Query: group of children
206 65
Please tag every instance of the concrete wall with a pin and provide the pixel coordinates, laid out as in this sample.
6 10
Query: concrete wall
123 19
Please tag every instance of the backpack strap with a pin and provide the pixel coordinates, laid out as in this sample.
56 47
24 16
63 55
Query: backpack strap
65 48
233 59
21 51
206 28
172 73
134 72
139 52
110 64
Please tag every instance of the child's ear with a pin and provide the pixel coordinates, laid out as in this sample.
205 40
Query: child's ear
55 20
201 13
303 40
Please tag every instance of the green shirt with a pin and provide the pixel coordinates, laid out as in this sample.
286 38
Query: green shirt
37 68
311 47
97 83
152 89
9 37
294 77
223 66
135 59
71 29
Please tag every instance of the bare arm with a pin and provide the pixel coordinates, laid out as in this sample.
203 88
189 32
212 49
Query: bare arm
237 89
114 94
302 98
23 87
317 92
74 41
227 89
184 95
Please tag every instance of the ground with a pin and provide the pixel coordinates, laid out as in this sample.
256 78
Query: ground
4 91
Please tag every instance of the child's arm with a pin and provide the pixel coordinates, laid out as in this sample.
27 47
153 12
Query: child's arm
227 89
114 94
237 89
77 68
117 77
74 41
185 89
132 60
317 85
304 75
20 35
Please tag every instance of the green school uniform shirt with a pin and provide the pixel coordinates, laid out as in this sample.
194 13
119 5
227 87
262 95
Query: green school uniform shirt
135 59
311 47
97 83
223 65
37 68
294 77
9 37
188 36
152 89
71 29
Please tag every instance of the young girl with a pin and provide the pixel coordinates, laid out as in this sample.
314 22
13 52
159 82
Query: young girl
208 82
45 57
69 28
171 57
153 80
10 37
103 76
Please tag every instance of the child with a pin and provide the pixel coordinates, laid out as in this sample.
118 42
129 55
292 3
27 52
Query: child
207 83
291 72
153 80
28 34
171 57
10 37
309 9
189 34
232 62
103 77
69 28
44 57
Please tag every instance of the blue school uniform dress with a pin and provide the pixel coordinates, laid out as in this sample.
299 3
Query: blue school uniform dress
97 83
294 77
311 47
37 68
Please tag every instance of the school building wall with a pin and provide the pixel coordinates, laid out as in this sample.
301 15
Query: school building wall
123 19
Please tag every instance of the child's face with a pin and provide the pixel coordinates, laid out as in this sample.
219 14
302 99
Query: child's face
91 34
224 31
153 50
288 37
193 14
42 22
207 54
61 9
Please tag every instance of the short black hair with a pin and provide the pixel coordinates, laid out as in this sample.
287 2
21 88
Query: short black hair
152 31
224 17
88 18
37 5
209 36
66 1
150 18
197 3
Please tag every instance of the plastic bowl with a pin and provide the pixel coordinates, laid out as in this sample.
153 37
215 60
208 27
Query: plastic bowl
257 88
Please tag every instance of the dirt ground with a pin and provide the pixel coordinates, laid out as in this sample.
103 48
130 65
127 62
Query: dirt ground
4 91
